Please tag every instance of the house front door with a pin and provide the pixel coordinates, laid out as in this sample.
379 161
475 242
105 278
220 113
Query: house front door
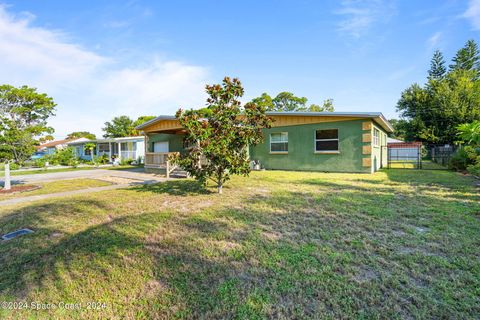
160 146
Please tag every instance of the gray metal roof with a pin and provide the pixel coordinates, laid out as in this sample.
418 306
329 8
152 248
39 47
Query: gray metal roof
325 113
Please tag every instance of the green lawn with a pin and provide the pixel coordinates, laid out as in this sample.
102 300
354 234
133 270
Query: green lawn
426 164
57 186
396 244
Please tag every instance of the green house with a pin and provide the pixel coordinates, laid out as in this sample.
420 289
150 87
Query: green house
302 141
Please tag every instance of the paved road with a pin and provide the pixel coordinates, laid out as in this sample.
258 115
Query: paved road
134 173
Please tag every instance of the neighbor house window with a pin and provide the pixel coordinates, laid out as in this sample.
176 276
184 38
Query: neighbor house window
279 142
376 137
103 147
326 140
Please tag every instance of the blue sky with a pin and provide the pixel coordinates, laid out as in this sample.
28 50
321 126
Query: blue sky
99 59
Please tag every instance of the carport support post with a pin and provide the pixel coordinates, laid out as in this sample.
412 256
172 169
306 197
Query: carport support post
7 185
168 169
119 151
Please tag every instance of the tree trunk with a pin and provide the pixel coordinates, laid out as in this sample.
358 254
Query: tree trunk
7 185
219 183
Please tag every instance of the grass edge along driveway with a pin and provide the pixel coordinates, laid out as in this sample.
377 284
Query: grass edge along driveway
57 187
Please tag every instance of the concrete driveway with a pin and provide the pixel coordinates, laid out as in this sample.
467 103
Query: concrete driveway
120 178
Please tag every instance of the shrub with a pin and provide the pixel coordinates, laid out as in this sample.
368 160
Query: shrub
460 160
40 163
103 159
73 162
65 157
125 162
14 166
474 169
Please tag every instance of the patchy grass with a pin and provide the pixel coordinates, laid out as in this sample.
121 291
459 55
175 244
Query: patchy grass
396 244
57 186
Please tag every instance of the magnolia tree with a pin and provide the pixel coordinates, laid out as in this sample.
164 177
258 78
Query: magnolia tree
218 136
23 116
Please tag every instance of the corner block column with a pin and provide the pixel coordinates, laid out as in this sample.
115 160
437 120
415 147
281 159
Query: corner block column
367 144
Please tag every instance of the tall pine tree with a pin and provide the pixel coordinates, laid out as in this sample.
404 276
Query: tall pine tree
467 58
437 66
431 113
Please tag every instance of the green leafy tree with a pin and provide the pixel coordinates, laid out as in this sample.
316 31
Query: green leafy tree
121 126
401 130
437 66
219 135
124 126
23 116
46 138
81 134
264 101
140 120
326 107
287 101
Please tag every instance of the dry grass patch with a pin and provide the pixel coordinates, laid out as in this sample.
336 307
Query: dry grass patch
57 186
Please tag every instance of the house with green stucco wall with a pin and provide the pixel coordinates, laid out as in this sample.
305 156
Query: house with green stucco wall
299 141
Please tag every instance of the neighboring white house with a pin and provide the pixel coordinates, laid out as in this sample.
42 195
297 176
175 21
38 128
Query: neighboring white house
115 148
392 140
51 146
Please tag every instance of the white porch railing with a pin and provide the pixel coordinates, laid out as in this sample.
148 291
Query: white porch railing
156 159
160 160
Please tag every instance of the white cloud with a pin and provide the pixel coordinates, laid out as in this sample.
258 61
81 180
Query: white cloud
434 40
400 73
360 16
473 14
88 87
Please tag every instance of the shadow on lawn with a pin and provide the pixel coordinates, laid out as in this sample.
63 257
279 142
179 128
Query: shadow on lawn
34 255
174 187
48 256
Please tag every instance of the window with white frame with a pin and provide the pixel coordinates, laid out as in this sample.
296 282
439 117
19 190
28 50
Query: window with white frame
326 140
376 137
279 142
